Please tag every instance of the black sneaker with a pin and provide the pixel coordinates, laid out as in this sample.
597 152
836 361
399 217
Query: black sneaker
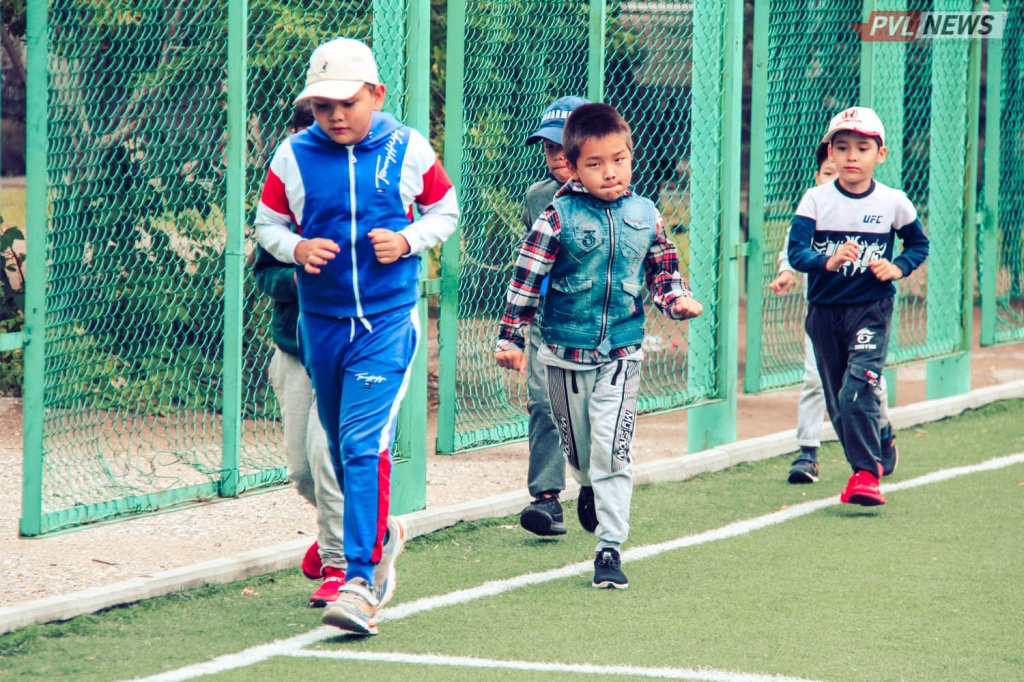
543 517
890 455
805 467
586 510
608 570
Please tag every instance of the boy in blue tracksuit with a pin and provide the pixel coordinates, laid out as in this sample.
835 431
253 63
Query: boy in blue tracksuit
842 236
348 184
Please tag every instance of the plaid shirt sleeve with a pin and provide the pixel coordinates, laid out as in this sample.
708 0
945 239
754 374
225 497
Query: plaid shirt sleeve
536 255
661 268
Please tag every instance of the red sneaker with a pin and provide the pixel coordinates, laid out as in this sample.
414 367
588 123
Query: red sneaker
312 567
862 489
334 579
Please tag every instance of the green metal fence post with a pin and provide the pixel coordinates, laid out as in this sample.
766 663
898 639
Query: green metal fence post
409 477
715 423
988 263
390 51
595 51
883 65
948 212
867 60
755 201
447 328
34 378
234 249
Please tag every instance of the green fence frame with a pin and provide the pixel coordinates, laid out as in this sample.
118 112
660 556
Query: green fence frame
708 362
246 464
887 80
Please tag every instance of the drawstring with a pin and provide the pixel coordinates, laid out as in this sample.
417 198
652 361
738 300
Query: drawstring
364 321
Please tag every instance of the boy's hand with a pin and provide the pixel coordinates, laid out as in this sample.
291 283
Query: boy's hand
314 253
783 283
389 246
686 308
886 271
847 253
511 359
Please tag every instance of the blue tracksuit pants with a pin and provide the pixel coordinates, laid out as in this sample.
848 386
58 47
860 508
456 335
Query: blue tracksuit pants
360 369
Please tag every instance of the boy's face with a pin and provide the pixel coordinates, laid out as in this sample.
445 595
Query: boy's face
605 166
347 121
827 173
855 157
554 155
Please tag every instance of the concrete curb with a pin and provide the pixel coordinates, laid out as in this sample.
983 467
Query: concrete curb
289 554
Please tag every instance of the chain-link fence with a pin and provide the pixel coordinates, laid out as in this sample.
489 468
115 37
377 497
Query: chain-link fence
810 63
1001 244
135 371
136 397
648 68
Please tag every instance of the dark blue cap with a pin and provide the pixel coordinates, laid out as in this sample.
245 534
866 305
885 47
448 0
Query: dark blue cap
553 120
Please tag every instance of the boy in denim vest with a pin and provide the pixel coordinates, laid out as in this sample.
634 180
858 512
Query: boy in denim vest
599 242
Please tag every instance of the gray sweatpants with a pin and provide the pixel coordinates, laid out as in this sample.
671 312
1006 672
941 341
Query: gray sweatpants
595 412
546 473
309 459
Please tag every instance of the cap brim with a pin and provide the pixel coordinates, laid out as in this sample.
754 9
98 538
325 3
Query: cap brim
330 90
552 134
832 133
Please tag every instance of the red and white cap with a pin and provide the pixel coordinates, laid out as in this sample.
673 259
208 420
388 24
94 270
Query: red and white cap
858 119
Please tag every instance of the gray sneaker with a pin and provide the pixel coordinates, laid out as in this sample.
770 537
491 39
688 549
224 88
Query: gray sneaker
355 609
384 574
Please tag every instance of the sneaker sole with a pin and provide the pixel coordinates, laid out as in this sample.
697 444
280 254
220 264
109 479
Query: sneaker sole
349 622
586 511
865 500
610 584
541 523
802 477
392 580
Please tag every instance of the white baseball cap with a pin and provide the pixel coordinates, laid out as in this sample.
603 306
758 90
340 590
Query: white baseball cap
858 119
338 69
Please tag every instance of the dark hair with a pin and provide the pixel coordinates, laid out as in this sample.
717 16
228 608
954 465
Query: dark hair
846 133
588 121
821 155
302 116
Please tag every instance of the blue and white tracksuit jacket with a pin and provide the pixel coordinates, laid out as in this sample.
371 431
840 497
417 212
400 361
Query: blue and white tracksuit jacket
358 326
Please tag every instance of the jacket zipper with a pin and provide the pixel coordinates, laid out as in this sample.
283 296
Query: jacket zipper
352 199
608 279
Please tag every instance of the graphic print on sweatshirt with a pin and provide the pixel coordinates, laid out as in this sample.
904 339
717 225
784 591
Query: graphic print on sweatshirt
828 217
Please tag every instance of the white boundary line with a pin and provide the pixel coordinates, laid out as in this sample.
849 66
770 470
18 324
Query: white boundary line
696 674
289 554
292 645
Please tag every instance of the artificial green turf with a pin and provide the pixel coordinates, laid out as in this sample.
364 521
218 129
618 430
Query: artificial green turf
770 602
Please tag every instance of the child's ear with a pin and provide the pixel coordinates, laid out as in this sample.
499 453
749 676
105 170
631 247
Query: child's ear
882 151
377 97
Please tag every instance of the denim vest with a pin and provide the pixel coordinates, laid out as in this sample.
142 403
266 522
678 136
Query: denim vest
595 299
